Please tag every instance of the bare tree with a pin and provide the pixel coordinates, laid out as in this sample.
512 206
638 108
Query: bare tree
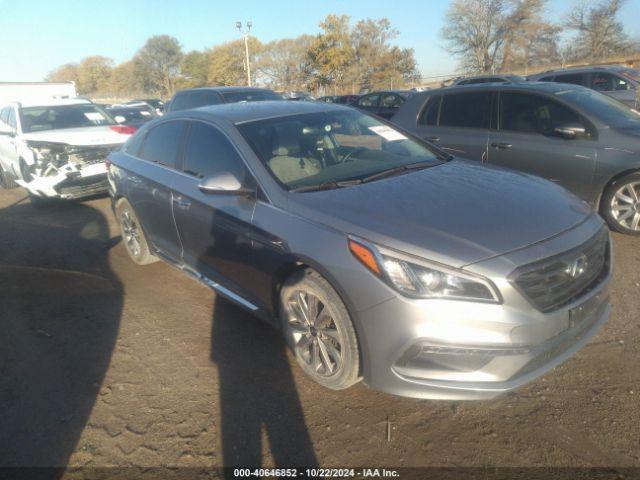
599 33
477 31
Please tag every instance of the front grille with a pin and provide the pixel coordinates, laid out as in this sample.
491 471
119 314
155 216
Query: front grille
557 281
81 188
91 154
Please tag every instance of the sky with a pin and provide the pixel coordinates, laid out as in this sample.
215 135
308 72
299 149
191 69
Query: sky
39 35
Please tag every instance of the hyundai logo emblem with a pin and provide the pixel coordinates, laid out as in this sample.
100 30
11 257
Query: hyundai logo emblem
578 266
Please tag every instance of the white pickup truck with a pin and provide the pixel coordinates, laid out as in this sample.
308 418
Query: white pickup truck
57 147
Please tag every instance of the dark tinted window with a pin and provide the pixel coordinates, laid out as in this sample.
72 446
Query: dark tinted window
208 151
603 107
521 112
55 117
391 100
466 110
132 147
575 78
194 99
429 115
250 96
11 120
162 143
369 100
606 82
547 79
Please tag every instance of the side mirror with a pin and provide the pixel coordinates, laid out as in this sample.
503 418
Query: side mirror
570 132
223 183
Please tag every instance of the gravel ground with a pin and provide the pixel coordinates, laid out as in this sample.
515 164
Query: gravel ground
106 363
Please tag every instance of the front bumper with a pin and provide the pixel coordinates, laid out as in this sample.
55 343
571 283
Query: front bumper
457 350
71 183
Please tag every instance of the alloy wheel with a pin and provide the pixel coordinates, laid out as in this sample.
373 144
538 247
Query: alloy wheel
317 341
131 233
625 206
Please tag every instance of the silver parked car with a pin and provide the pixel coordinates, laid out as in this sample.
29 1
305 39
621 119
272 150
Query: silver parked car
379 256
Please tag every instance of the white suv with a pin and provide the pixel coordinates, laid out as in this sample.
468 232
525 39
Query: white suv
57 148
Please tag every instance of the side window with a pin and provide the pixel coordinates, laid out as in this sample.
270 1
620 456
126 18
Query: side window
470 110
11 121
574 78
369 101
132 147
162 143
179 102
521 112
391 100
547 79
606 82
429 114
208 151
4 114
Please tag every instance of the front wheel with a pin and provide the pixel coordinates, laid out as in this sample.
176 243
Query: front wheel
133 237
319 330
6 180
621 204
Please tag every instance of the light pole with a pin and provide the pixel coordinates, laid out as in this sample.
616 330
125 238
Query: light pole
245 34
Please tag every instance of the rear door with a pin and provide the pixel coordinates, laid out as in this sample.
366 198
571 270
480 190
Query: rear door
526 141
149 186
8 149
458 122
215 228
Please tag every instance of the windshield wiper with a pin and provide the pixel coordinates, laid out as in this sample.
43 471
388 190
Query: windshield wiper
389 172
326 185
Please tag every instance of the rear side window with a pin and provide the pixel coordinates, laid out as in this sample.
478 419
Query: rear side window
369 101
208 151
469 110
11 121
521 112
4 114
429 115
390 100
194 99
132 147
574 78
162 143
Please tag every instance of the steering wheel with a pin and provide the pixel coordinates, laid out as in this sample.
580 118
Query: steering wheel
347 157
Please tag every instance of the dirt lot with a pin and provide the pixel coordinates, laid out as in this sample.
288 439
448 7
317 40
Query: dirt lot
107 363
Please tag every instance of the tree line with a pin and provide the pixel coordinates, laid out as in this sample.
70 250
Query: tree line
342 58
507 35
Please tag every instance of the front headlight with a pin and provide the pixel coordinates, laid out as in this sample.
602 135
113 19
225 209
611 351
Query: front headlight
417 278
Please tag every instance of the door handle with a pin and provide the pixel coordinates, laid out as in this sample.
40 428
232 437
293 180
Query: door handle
501 146
181 202
432 139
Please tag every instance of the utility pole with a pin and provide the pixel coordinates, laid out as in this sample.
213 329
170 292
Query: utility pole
245 34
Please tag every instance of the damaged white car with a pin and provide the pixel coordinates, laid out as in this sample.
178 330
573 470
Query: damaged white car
57 148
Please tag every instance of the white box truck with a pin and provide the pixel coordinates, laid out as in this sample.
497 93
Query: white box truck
34 91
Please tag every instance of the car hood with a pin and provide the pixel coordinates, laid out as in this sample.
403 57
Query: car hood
456 213
102 135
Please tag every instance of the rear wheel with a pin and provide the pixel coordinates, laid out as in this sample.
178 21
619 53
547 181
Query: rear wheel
133 237
621 204
319 330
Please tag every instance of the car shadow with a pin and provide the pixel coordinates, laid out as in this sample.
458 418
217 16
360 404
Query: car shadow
60 308
257 392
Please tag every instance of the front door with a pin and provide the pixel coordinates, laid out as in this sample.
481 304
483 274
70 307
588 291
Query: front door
215 229
526 141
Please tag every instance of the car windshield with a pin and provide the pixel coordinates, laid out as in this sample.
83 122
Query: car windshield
631 73
36 119
603 107
251 96
323 149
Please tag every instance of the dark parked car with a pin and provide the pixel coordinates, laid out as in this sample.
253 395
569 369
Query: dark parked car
378 255
383 104
155 103
576 137
616 81
489 79
133 116
201 97
341 99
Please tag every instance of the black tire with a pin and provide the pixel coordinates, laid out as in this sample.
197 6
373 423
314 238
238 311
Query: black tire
330 335
40 202
6 180
621 214
132 234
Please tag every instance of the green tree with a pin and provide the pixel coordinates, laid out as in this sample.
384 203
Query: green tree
284 64
194 69
64 73
157 64
124 81
94 74
226 62
331 53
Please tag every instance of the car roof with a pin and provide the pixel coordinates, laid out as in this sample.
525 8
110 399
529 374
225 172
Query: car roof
225 89
581 69
53 102
550 87
253 111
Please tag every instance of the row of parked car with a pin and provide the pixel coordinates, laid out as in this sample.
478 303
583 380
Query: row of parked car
395 251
